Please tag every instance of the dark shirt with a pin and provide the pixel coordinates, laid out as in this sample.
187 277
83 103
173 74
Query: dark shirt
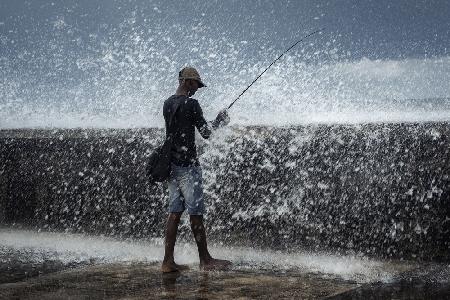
188 117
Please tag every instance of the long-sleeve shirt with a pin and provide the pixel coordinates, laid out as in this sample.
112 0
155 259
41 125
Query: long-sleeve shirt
188 117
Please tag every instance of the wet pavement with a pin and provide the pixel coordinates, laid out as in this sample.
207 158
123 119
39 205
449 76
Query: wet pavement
145 281
67 266
54 280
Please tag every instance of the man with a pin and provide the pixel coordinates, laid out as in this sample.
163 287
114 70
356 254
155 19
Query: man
185 182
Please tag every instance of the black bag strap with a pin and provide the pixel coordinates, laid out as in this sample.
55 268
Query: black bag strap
172 118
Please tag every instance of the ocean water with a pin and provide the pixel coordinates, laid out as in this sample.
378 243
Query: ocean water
98 65
111 64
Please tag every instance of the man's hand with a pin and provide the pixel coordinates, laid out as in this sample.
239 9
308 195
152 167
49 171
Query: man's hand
222 118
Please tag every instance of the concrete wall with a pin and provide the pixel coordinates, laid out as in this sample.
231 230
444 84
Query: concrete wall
378 189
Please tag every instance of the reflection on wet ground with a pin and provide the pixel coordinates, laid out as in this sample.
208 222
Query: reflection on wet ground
140 281
145 281
55 266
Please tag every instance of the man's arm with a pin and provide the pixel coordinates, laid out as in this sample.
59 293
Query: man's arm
203 126
200 121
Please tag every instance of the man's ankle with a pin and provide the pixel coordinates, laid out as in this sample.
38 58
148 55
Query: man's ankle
206 259
168 260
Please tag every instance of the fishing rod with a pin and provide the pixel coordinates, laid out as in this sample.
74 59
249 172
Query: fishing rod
306 36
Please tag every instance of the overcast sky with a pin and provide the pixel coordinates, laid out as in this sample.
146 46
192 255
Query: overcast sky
374 29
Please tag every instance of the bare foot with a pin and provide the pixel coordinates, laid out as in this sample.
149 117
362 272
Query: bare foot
213 264
168 267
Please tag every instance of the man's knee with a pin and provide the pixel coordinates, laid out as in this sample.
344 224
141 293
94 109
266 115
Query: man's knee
196 220
175 217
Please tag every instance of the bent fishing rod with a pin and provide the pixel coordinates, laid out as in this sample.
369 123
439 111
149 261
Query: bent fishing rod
295 44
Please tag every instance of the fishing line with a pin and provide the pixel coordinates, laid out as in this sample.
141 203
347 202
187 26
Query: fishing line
295 44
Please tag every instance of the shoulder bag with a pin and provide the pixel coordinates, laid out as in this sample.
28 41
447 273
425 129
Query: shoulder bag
158 167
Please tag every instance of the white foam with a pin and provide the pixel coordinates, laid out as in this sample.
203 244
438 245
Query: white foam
292 92
76 247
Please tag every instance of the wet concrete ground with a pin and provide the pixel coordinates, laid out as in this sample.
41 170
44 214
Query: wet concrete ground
144 281
68 266
88 280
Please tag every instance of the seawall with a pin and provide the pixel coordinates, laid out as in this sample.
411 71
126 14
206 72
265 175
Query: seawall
378 189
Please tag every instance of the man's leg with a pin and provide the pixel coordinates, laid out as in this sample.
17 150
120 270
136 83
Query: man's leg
198 229
168 264
192 189
206 261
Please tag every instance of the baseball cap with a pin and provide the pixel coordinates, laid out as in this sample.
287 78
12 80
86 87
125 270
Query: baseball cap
191 73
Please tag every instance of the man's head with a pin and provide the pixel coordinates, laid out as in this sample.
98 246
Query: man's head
190 80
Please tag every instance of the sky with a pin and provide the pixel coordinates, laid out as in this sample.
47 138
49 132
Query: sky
374 29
